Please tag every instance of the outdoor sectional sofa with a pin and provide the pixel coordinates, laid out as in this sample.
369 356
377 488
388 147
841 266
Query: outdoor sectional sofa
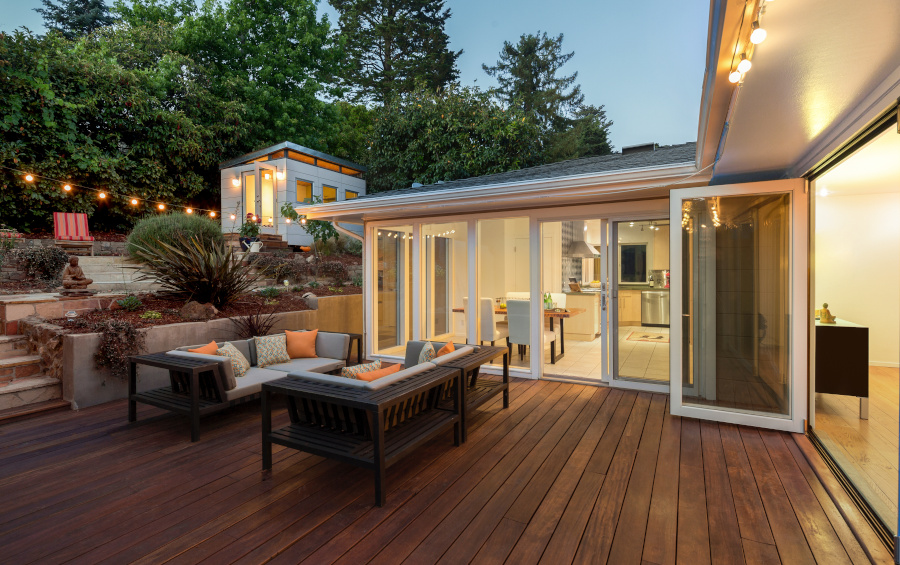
203 384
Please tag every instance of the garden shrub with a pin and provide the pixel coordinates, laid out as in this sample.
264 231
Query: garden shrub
171 229
281 268
335 270
354 247
42 263
151 315
130 303
357 280
119 340
270 292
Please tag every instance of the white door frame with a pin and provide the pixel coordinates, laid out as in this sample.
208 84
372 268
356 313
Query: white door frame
799 333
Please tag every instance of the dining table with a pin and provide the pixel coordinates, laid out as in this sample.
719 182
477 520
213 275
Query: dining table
551 314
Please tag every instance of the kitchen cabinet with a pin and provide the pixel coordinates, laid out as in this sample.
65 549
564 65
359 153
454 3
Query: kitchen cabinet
584 327
660 259
629 307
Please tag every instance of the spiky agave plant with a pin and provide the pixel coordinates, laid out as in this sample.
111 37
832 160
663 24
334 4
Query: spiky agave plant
192 268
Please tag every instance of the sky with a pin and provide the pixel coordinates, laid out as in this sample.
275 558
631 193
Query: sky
643 61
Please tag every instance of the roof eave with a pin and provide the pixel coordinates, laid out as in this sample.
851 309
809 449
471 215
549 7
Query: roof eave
293 147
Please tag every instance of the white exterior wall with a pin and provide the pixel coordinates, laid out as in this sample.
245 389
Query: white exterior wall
285 191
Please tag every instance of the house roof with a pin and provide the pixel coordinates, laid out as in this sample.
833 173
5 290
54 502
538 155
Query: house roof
293 147
662 156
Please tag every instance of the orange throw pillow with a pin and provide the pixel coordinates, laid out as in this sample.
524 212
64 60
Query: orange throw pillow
378 373
209 349
446 349
301 345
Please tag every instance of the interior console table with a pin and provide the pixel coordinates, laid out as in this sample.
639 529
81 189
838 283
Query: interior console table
842 361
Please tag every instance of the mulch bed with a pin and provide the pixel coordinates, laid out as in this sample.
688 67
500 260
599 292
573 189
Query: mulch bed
22 287
248 304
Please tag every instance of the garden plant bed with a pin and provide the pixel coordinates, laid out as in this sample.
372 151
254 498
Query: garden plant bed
98 235
25 287
247 304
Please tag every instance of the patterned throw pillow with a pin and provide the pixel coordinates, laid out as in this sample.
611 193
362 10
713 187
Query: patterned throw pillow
427 353
271 350
354 371
239 363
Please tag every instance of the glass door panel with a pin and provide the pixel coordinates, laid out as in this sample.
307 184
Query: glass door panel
249 195
739 268
267 198
446 280
393 296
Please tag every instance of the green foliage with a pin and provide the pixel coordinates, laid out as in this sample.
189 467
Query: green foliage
281 268
270 292
257 324
249 229
296 289
171 229
336 289
118 109
119 340
8 238
130 303
335 270
354 247
196 269
529 80
43 263
441 135
276 58
74 18
151 315
313 284
394 44
354 126
357 280
320 230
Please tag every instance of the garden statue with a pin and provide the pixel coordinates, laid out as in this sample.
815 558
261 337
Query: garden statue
73 280
825 316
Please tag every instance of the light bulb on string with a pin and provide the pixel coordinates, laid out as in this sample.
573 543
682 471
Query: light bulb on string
758 35
29 177
212 214
67 188
189 211
134 201
734 77
745 64
102 196
161 206
287 220
253 217
233 217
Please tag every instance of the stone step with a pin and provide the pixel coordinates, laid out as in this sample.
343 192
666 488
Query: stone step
28 391
101 260
120 286
22 412
19 367
13 343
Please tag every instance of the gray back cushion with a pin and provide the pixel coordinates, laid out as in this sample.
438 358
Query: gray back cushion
332 346
414 348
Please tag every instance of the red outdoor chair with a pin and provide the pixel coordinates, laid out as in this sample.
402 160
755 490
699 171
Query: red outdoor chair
71 232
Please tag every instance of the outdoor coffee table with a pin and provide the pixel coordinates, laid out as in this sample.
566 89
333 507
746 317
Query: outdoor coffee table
478 391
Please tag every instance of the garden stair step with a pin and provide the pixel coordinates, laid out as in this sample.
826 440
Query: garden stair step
38 408
19 367
29 391
13 346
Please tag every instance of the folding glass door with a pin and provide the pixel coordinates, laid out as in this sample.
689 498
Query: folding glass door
738 288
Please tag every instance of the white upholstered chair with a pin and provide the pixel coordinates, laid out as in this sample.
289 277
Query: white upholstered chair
519 313
491 329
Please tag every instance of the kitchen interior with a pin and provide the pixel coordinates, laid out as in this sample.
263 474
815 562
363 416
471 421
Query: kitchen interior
572 274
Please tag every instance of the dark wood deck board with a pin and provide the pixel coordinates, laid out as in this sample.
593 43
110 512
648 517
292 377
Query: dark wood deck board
567 473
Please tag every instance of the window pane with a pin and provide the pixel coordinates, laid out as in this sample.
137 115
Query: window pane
350 195
249 194
503 307
267 198
393 289
737 296
329 194
304 191
445 281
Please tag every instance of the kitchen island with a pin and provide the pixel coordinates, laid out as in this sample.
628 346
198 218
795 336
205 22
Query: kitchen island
587 326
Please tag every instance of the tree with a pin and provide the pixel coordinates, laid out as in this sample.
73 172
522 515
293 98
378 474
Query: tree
527 77
355 123
429 135
117 110
394 45
588 136
75 18
274 57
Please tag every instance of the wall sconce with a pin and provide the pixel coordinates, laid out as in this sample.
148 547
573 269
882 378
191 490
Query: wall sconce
236 182
279 175
303 219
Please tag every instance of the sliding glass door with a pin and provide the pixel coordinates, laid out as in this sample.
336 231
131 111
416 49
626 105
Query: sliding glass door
738 310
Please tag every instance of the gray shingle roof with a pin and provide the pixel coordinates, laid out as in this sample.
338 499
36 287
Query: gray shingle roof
663 156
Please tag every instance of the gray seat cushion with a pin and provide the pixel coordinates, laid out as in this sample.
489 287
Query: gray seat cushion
312 364
251 383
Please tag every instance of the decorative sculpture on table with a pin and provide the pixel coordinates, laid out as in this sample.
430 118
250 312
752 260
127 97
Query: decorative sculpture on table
73 280
825 316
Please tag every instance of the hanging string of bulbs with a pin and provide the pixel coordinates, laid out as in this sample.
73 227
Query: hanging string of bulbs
757 36
104 195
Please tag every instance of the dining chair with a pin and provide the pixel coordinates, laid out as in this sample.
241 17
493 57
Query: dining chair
491 330
519 313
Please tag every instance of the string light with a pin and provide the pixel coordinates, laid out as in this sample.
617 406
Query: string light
758 35
287 220
68 188
253 218
161 206
102 195
29 178
734 77
233 217
745 64
189 211
134 201
212 214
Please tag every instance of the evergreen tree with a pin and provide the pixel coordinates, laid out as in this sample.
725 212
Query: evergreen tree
395 45
527 77
75 18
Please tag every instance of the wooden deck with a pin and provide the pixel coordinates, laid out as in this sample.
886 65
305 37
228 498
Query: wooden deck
568 474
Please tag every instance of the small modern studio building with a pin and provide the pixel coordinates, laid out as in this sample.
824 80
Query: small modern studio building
695 269
259 183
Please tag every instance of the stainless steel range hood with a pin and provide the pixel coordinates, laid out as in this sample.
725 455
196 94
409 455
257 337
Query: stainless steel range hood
579 247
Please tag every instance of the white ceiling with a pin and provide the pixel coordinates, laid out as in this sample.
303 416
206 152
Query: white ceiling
874 169
821 62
